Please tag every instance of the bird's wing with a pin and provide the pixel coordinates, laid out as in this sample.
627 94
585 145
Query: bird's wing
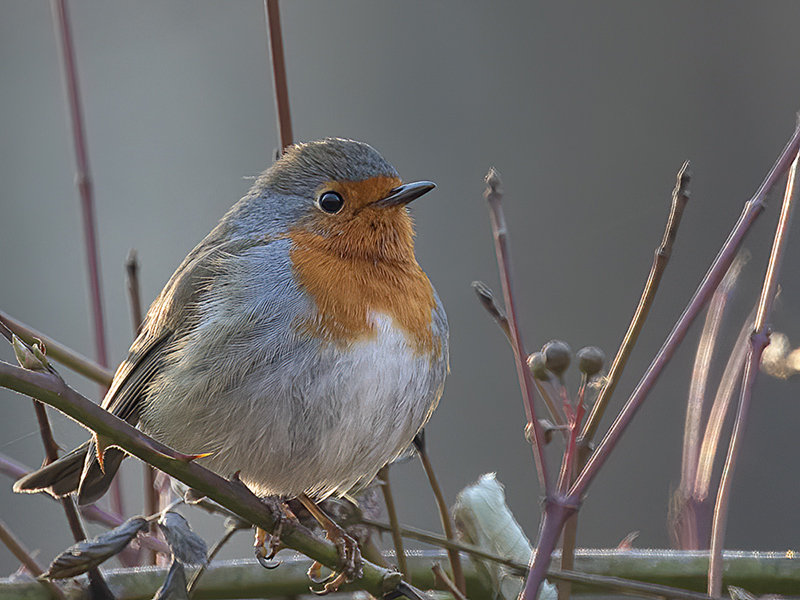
169 314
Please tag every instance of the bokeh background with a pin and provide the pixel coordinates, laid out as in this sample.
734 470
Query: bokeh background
587 109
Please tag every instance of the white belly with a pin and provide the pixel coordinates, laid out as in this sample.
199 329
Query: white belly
319 422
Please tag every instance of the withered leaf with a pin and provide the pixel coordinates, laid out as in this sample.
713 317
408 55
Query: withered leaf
81 557
185 544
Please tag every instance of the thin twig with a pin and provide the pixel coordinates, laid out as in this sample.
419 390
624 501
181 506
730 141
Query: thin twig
752 209
488 302
230 529
57 351
447 582
83 178
151 498
444 514
680 196
700 372
11 542
391 512
689 526
98 584
590 579
91 512
494 197
719 408
758 341
279 72
434 539
134 295
558 509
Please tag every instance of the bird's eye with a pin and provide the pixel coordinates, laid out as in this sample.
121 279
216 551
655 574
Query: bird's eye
330 202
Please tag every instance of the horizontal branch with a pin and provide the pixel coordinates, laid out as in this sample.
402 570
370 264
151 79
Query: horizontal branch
757 572
51 389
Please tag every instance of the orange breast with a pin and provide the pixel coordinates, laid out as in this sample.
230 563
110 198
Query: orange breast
360 263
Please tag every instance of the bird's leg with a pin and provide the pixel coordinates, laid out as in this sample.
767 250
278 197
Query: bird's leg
267 545
350 555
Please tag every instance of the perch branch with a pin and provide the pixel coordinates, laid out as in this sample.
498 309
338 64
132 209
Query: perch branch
51 389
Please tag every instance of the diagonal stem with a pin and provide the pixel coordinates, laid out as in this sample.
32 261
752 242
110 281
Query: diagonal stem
444 515
494 196
758 341
680 196
752 209
16 548
391 511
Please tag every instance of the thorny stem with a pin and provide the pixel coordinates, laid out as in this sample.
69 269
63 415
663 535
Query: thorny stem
16 548
758 341
279 72
680 196
51 389
391 512
444 516
494 196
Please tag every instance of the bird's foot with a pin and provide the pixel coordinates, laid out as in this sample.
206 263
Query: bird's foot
267 545
350 561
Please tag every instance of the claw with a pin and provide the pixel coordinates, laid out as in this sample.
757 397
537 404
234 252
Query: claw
332 586
349 554
314 574
267 545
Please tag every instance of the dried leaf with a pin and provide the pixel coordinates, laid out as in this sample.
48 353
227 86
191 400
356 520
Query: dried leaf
81 557
174 586
185 544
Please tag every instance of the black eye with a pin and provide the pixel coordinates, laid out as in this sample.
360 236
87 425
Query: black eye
331 202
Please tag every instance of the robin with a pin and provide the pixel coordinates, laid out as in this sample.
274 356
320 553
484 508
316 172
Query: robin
299 344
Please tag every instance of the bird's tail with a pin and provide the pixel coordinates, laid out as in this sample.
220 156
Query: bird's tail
76 471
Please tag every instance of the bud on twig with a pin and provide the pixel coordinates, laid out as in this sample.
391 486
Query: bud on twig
557 356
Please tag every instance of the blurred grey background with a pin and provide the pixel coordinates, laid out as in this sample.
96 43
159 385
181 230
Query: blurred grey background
587 110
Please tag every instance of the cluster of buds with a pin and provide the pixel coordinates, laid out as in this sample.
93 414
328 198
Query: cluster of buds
548 367
556 356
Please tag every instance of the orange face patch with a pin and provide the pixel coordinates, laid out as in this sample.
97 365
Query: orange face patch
361 261
358 194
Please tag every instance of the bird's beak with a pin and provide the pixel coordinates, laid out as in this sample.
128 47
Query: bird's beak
400 196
